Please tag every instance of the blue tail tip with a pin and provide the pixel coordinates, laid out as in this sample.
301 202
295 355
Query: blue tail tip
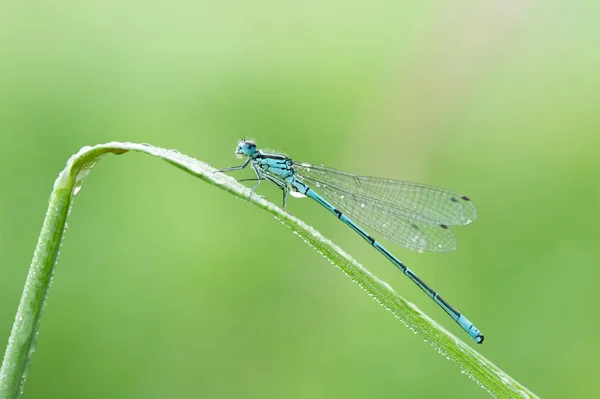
479 338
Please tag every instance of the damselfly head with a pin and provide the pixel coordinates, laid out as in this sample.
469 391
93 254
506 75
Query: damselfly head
245 148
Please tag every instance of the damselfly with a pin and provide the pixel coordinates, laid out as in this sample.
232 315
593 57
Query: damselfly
412 215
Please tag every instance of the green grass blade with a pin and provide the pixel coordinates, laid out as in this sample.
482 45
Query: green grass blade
22 339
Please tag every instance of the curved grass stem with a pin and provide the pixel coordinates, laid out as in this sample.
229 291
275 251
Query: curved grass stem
21 343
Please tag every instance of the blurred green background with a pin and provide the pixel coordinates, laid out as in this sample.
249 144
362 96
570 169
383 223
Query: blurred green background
169 287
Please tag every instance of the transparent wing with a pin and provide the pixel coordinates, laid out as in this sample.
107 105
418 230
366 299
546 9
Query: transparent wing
416 216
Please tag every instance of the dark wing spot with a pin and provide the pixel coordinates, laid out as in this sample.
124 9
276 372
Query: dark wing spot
443 226
454 199
466 198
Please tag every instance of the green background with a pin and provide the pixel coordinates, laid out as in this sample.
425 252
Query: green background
169 287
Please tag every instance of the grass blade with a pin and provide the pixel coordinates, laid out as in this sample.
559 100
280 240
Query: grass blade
22 339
